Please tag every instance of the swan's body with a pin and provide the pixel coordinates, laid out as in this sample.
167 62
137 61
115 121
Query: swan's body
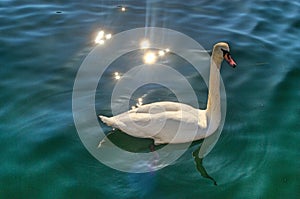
160 121
172 122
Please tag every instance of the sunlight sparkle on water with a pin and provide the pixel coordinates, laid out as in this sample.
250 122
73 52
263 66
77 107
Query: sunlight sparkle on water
140 102
101 37
161 53
150 58
117 76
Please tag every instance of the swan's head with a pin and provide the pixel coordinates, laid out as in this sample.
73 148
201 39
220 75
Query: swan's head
221 51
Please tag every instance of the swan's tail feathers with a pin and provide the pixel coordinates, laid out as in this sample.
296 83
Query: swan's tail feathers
107 120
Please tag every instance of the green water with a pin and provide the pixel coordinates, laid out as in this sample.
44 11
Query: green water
43 45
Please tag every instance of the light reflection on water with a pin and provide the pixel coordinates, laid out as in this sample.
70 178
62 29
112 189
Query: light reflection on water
43 45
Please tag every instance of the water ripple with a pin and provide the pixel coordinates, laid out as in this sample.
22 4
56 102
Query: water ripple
43 45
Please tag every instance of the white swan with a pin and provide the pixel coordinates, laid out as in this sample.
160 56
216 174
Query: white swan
162 121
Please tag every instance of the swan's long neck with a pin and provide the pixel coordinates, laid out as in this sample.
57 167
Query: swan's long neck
214 103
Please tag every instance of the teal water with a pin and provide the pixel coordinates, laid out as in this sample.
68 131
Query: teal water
43 45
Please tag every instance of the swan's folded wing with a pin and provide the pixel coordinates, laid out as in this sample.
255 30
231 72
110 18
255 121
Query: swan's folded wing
159 107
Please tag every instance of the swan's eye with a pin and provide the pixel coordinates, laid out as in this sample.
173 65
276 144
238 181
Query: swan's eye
225 52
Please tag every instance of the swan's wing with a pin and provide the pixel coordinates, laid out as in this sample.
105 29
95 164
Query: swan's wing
180 127
162 121
159 107
165 123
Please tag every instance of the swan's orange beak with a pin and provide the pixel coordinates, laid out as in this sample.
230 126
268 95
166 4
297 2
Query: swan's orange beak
229 59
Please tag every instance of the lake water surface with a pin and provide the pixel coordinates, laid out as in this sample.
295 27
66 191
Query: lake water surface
43 44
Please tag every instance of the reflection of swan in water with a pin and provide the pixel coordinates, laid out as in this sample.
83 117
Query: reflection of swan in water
200 166
160 120
142 145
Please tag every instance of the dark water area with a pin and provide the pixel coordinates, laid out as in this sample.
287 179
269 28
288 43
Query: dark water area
42 46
